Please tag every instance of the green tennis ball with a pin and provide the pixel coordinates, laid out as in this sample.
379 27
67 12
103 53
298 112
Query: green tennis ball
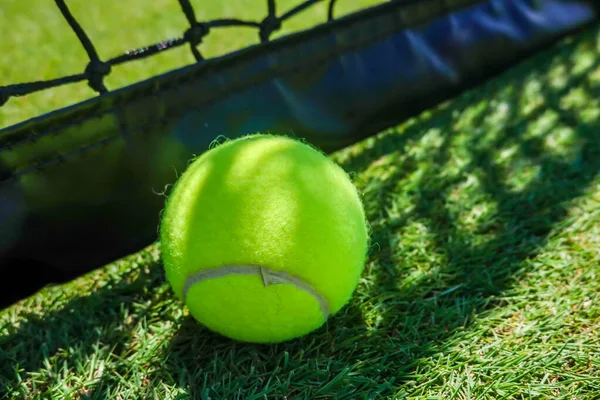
263 238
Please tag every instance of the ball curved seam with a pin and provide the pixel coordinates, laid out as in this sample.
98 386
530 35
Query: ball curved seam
268 276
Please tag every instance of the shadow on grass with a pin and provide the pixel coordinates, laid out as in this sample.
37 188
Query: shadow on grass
481 262
468 193
99 323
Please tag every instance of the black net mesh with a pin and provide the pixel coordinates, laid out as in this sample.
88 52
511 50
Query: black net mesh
98 69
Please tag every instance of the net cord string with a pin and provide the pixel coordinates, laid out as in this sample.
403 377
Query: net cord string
97 69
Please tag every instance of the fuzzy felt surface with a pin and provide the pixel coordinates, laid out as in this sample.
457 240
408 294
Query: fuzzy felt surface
267 201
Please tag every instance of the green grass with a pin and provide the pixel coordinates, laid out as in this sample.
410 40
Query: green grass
483 281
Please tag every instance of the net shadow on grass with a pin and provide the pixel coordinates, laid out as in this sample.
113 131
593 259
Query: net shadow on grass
473 268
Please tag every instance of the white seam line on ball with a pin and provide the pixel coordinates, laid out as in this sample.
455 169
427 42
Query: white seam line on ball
269 277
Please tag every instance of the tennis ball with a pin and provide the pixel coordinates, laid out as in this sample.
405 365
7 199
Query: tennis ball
263 238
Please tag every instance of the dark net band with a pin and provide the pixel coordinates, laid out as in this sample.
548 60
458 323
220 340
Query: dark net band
97 70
